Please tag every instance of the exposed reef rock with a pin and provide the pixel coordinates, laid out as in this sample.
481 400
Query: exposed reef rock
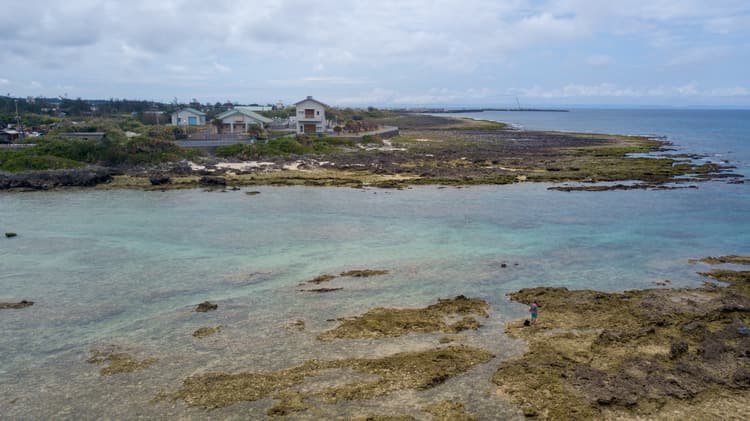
16 306
119 362
206 306
159 180
390 322
406 370
43 180
737 260
657 353
212 181
321 290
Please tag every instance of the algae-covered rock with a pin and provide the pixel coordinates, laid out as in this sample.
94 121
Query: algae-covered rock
389 322
206 306
297 324
206 331
118 362
633 354
407 370
448 411
16 306
732 259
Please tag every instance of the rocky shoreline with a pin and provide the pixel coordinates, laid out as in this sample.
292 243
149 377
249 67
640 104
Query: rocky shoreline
431 150
643 354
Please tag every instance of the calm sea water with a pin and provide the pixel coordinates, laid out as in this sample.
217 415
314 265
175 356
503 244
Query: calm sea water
126 268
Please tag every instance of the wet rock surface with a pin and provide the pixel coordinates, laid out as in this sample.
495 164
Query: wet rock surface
390 322
206 306
15 306
647 353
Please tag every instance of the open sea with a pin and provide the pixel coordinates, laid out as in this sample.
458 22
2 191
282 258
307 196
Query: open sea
125 269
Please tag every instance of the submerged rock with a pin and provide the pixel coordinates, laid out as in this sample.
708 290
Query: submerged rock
206 306
119 362
10 234
18 305
406 370
320 279
364 273
321 290
206 331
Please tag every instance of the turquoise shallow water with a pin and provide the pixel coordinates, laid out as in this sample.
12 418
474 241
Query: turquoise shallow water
126 268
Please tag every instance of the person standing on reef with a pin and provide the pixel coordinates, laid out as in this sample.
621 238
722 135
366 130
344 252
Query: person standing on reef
533 309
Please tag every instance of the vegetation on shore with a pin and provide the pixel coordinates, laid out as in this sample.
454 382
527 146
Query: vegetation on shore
430 150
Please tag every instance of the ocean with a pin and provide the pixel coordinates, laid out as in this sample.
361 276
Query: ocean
125 269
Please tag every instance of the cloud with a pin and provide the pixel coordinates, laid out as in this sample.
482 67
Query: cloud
599 60
611 90
431 96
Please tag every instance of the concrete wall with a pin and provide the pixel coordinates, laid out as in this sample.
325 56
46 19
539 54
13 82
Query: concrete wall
184 118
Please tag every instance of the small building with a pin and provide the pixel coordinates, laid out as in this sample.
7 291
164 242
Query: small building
188 117
311 116
239 119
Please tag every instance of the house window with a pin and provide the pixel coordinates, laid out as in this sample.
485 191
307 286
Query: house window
309 113
318 112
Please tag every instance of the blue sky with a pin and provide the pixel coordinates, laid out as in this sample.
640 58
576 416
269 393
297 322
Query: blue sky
385 53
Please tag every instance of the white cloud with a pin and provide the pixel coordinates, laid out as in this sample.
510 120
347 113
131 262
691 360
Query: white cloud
611 90
4 81
599 60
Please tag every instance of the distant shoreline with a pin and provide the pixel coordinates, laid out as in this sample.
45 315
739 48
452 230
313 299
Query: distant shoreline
481 110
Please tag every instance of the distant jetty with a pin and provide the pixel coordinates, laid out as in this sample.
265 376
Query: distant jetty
480 110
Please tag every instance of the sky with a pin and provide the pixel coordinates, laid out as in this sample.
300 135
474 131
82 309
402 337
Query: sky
400 53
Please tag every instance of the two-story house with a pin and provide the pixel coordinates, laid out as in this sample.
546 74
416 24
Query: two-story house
311 116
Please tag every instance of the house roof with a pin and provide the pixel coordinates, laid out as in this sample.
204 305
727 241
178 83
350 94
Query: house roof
245 112
309 98
192 111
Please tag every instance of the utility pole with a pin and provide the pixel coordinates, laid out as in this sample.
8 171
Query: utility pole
18 123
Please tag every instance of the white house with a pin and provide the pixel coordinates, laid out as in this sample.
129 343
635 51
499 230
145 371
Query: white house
311 116
188 117
239 119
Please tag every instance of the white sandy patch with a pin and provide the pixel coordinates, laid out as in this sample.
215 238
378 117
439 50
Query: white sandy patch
294 166
196 167
422 140
243 166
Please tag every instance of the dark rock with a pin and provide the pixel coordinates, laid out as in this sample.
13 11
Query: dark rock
252 193
741 378
503 265
18 305
677 349
206 306
10 234
212 181
43 180
159 180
